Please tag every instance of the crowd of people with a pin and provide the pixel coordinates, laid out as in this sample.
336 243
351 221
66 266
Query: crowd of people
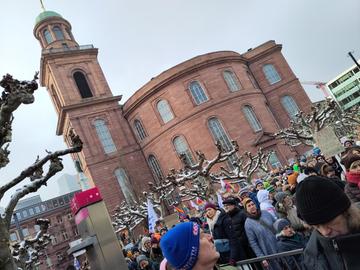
312 205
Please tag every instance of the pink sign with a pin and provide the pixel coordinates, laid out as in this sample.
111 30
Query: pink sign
81 215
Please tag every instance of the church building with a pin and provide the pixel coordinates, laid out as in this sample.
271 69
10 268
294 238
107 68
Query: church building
217 96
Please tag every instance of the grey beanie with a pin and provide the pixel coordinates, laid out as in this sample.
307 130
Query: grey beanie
141 258
280 196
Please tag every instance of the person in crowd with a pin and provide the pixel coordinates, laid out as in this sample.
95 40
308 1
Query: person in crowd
287 240
186 247
333 244
144 263
155 253
238 217
259 185
246 193
352 187
163 231
328 171
145 246
271 191
285 208
335 165
132 264
221 229
266 202
260 233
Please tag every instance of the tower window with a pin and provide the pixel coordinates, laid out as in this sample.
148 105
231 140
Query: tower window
125 186
182 148
82 85
252 119
198 93
155 168
139 129
271 74
231 80
164 111
290 106
104 136
48 36
59 35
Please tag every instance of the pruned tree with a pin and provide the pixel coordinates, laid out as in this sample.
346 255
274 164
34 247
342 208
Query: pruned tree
303 127
27 253
14 94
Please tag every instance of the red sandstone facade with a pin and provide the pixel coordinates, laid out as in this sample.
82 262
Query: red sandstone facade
183 102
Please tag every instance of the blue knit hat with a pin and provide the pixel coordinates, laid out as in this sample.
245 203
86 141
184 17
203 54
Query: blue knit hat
280 224
180 245
258 182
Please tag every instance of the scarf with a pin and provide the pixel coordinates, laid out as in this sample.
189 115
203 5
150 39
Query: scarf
353 177
212 222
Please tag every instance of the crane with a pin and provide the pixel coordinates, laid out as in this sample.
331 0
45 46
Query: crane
319 85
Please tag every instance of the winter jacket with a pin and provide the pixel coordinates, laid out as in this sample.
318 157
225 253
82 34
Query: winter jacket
261 238
339 253
290 214
353 192
238 218
297 241
265 203
223 229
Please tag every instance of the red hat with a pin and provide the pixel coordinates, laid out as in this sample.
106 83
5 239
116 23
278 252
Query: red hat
210 205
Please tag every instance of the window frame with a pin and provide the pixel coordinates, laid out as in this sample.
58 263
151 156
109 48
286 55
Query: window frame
186 149
252 118
62 37
139 130
129 197
285 103
155 168
198 98
83 92
231 80
271 74
47 36
104 136
165 111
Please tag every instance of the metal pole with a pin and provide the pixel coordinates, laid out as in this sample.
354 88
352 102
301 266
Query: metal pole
17 225
353 58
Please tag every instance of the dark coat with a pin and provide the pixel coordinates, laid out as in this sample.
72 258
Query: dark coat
340 253
223 229
238 218
297 241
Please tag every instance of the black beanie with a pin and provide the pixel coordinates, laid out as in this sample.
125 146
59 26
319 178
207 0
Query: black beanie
319 200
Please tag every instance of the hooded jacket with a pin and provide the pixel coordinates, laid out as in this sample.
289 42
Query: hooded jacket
265 203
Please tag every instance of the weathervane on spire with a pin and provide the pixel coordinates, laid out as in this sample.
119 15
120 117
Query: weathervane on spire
42 5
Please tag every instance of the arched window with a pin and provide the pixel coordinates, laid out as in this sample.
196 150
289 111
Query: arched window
274 161
125 186
182 148
231 80
155 168
197 93
48 36
290 106
104 136
140 131
252 119
271 74
164 110
58 33
219 134
82 85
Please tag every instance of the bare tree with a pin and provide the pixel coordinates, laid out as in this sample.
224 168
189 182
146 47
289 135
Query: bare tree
27 253
14 94
327 113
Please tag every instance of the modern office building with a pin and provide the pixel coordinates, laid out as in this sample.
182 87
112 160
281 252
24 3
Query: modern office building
345 88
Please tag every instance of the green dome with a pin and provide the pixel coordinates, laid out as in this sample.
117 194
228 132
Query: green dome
46 14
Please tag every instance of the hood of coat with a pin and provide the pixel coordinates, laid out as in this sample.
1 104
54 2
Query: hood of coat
263 196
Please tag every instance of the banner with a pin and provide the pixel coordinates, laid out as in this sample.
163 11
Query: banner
194 205
220 200
152 216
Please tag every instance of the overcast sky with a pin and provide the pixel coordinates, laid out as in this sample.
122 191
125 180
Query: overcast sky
137 40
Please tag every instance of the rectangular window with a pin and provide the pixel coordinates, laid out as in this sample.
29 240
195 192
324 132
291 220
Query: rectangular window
59 219
13 236
25 232
24 213
31 211
37 209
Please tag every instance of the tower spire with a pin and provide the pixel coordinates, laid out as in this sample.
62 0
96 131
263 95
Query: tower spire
42 5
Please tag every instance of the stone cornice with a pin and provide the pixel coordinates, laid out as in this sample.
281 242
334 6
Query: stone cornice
86 103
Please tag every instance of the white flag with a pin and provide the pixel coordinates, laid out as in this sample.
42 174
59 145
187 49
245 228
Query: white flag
223 185
220 200
152 216
194 205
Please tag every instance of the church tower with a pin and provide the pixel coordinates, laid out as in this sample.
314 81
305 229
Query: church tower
111 157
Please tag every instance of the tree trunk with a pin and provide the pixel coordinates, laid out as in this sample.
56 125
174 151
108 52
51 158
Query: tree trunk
6 259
